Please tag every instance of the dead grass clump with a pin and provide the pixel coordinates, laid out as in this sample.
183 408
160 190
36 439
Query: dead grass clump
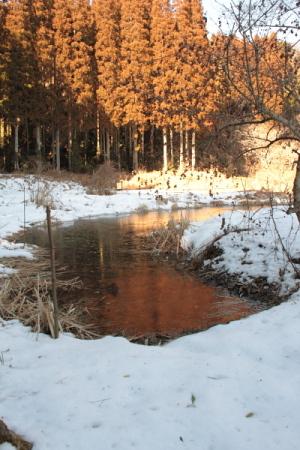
142 209
104 179
217 203
175 207
29 300
42 195
167 238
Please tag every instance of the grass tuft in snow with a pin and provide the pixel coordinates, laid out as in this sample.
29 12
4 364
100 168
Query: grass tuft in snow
29 301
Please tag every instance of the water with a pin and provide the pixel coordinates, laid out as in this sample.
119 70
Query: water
152 296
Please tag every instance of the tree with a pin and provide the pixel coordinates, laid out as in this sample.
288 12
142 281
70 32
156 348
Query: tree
192 74
21 67
262 68
164 62
107 53
135 87
3 56
74 66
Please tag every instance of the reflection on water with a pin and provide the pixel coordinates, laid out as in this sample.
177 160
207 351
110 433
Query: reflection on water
152 297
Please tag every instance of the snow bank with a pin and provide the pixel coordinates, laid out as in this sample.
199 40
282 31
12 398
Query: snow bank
262 243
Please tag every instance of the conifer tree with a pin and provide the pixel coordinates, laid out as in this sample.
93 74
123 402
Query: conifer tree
74 40
63 37
4 36
192 85
107 53
164 63
135 88
44 54
21 67
84 71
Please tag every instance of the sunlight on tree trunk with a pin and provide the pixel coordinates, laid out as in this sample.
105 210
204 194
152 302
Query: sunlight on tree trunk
165 149
181 157
171 146
187 149
193 150
98 146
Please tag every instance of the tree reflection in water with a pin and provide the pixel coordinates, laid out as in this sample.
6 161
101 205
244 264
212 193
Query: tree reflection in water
152 296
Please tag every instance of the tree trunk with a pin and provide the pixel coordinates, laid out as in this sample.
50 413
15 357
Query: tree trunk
181 157
2 133
165 150
187 149
296 190
135 159
70 145
86 143
57 149
130 142
152 141
107 153
16 147
44 142
98 135
193 149
53 145
38 143
118 148
172 145
27 137
143 145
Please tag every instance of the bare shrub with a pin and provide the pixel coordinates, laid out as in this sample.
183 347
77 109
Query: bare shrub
104 179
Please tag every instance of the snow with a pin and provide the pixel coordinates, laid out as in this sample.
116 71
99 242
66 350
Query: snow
270 238
234 386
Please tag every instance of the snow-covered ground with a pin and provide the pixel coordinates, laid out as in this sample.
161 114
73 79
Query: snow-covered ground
234 386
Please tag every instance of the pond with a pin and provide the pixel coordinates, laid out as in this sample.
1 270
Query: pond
144 295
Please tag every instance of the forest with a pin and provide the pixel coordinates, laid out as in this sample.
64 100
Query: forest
141 84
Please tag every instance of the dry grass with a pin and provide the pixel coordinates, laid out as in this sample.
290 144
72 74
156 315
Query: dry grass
142 209
168 236
42 194
104 179
27 297
29 300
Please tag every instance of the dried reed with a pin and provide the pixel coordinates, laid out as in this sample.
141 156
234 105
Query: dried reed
29 300
168 236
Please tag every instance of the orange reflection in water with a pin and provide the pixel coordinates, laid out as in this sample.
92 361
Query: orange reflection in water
149 220
167 303
153 297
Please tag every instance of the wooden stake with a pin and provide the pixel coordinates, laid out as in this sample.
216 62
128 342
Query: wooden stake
53 275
